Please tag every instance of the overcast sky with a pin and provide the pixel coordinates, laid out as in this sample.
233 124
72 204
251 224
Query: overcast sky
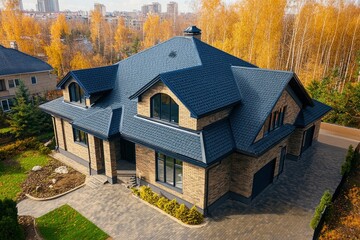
111 5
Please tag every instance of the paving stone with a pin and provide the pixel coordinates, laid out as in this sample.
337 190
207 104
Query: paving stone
283 211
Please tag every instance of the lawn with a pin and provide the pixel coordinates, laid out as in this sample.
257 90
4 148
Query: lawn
13 172
66 223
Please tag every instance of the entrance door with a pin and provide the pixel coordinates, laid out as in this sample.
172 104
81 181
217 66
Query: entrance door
282 159
307 138
263 178
127 151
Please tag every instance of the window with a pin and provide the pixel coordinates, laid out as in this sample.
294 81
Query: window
13 83
2 85
164 108
276 119
33 80
5 105
169 170
80 136
76 93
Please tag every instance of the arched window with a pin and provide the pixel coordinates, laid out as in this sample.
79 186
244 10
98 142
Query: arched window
76 93
164 108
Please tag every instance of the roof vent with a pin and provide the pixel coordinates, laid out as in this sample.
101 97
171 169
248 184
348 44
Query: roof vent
172 54
193 31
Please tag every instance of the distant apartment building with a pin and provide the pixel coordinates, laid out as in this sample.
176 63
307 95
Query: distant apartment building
153 8
17 66
172 9
100 8
47 6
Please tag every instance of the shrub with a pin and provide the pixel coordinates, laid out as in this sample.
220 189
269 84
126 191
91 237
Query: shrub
349 161
162 202
43 149
324 202
181 212
16 147
171 207
9 226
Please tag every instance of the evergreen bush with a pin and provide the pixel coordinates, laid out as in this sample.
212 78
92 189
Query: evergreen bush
182 212
324 202
171 207
12 149
9 226
194 217
349 161
162 202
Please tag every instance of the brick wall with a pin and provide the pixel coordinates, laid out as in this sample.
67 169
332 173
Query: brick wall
219 178
66 94
59 133
45 82
291 112
244 167
110 159
185 120
193 177
73 147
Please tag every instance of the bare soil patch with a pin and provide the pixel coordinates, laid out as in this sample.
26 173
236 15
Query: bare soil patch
46 183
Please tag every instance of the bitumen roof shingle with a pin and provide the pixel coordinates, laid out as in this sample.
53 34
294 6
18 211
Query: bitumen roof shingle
310 114
93 80
14 62
205 79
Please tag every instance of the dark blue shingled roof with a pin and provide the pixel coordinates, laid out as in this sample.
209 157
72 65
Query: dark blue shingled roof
310 114
260 90
13 62
205 79
93 80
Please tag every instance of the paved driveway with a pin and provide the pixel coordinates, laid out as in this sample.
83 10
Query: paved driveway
283 211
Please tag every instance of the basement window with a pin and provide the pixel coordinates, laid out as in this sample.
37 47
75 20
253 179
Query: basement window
169 170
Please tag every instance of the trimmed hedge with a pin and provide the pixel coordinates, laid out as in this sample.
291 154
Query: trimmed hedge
180 211
12 149
349 161
324 203
9 225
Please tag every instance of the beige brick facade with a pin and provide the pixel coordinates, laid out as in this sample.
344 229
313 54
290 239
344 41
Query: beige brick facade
292 110
244 167
110 159
185 120
193 177
66 93
45 82
219 178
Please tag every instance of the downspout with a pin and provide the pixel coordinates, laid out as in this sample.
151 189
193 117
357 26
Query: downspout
206 212
56 135
88 147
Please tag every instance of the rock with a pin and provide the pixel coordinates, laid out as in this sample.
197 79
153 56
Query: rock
36 168
51 186
61 170
37 188
48 143
53 180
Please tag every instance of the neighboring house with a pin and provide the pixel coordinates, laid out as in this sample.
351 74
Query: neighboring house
16 66
198 124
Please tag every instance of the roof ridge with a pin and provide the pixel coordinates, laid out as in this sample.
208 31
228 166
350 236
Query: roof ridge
263 69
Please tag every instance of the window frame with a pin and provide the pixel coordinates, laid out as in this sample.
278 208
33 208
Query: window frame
173 111
162 177
32 82
8 105
275 119
80 137
2 85
79 97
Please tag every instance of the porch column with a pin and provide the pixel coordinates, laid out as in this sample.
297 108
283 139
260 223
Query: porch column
95 155
110 161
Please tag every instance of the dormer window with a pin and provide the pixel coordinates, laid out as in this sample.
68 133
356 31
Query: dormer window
76 93
163 107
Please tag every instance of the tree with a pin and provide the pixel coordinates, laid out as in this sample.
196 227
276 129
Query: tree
80 61
122 38
57 49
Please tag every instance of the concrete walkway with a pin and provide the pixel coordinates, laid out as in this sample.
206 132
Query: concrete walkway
283 211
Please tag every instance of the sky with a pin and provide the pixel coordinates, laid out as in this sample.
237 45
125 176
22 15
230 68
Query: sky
111 5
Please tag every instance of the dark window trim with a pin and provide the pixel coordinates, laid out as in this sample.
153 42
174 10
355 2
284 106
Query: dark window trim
79 93
275 120
77 134
172 186
171 104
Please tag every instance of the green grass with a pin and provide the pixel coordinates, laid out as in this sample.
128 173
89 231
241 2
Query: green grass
5 130
14 172
66 223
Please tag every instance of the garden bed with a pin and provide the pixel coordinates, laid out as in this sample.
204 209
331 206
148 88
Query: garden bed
30 231
47 183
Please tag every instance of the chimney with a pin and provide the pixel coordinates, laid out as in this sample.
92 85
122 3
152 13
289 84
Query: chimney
13 45
193 31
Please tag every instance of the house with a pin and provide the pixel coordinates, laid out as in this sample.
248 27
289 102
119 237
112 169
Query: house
16 66
198 124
